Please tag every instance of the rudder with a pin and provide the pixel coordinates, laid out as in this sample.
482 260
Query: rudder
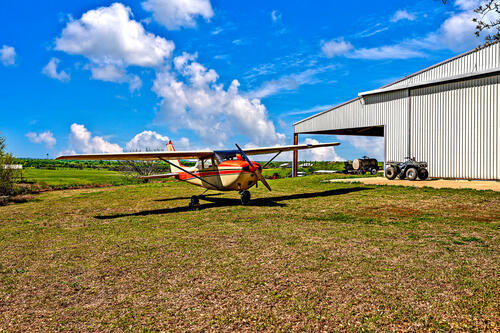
170 147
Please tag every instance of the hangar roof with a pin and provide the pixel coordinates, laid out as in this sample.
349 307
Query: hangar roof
477 62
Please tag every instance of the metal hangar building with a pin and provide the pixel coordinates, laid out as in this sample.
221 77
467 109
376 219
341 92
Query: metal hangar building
446 115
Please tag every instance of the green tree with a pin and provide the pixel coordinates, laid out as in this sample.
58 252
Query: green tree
487 19
7 175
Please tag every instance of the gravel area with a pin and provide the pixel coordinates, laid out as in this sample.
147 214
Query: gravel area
435 183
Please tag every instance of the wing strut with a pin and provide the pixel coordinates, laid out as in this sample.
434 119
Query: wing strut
190 173
271 160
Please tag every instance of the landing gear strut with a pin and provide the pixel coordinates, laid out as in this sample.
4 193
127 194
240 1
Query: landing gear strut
245 197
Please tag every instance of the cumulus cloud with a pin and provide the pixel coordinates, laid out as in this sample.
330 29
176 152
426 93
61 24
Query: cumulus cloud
8 55
113 41
371 146
51 71
336 47
82 141
192 99
174 14
403 15
319 154
147 141
112 73
46 138
108 35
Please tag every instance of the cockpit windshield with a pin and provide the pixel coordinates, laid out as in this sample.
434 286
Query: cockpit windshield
204 164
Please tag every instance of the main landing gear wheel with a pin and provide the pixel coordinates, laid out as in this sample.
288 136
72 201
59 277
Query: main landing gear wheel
195 202
245 197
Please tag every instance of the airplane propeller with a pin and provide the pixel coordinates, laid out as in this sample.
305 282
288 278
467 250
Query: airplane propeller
253 168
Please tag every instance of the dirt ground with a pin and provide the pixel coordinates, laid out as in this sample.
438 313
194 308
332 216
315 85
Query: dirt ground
434 183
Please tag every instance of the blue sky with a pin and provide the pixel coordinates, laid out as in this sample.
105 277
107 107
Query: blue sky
104 76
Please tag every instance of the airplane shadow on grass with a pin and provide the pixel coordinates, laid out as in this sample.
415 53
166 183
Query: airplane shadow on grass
226 202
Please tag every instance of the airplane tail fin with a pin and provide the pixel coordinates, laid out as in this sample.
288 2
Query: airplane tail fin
170 147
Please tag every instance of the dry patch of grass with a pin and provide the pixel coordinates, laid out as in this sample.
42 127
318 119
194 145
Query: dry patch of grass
307 256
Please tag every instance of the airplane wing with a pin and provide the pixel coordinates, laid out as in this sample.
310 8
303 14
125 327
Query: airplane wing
143 156
175 155
270 150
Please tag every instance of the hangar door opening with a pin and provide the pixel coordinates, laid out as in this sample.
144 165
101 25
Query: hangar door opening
363 132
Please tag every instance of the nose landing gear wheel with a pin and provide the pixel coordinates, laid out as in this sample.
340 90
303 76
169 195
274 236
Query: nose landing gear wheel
195 202
245 197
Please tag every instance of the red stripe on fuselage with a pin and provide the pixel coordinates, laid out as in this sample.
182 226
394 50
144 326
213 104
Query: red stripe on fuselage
187 176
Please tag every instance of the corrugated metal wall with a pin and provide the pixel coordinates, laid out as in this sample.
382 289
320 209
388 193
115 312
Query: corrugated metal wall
454 127
387 109
477 61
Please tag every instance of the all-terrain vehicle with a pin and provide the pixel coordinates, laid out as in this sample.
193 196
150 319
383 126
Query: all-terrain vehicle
410 169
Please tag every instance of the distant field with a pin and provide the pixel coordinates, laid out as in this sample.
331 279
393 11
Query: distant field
66 177
285 172
307 256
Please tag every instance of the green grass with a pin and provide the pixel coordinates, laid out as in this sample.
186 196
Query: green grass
66 177
308 256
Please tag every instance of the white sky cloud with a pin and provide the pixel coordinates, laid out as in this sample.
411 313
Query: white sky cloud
46 138
403 15
456 33
386 52
107 35
51 71
371 146
8 55
82 141
336 47
288 82
112 73
147 141
193 99
174 14
275 16
314 109
319 154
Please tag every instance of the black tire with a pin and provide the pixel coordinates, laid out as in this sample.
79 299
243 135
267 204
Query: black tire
245 197
390 172
411 173
373 171
423 174
194 201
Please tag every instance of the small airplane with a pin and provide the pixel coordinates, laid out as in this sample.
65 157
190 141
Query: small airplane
221 170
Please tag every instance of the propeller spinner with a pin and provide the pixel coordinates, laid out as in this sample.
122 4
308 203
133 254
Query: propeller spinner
253 168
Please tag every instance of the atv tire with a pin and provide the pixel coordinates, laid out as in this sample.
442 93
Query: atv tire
390 172
411 173
423 174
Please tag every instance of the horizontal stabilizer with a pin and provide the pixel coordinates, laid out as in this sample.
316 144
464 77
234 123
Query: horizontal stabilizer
164 175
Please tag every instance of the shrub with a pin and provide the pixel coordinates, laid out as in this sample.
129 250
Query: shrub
7 175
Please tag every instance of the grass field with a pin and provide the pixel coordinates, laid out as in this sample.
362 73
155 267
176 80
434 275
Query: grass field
66 177
307 256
